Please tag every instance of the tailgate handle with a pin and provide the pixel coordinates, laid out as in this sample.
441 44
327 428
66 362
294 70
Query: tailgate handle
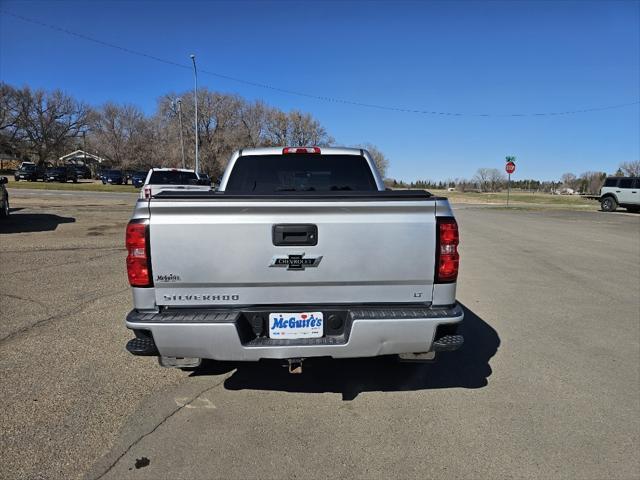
295 235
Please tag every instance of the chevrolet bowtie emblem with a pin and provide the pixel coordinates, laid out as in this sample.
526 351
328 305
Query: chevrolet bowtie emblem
295 262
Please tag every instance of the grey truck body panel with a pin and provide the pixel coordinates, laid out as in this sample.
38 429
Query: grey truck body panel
215 252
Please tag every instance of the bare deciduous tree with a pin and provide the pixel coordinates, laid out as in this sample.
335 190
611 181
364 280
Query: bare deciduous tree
631 169
496 179
591 182
253 118
11 135
569 180
122 134
489 179
481 178
380 159
50 121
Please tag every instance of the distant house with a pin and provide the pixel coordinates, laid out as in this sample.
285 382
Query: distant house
80 157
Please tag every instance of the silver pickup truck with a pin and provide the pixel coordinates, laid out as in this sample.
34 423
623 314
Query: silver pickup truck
300 253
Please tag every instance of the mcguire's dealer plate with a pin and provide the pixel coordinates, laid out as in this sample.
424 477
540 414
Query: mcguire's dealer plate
296 325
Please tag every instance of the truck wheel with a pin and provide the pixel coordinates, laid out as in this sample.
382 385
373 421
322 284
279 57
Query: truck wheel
608 204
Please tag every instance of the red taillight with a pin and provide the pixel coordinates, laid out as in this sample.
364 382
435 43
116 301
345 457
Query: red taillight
138 268
447 258
300 150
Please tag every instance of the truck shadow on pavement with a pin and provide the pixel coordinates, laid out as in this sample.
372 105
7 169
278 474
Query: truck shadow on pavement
466 368
32 222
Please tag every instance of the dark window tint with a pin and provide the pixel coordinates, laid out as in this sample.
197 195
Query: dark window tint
637 183
28 168
114 172
265 174
610 182
173 177
626 183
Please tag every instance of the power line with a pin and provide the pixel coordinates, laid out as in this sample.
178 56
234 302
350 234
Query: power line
303 94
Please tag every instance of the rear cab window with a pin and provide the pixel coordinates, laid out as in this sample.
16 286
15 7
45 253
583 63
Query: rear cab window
610 182
173 177
267 174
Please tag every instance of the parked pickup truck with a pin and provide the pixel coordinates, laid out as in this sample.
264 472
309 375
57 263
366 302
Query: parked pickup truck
161 179
300 253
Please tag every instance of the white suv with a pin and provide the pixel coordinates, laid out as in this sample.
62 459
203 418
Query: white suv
620 191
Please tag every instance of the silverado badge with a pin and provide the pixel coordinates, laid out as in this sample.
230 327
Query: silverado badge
295 262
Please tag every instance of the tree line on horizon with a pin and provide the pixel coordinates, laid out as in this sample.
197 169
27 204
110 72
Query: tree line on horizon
491 180
44 125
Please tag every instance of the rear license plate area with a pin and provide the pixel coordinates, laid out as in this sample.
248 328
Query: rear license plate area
293 325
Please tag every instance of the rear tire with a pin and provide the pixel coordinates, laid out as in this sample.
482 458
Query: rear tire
608 204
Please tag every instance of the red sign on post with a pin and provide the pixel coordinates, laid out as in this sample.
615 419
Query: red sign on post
510 167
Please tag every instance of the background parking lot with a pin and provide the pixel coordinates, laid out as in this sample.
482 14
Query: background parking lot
546 386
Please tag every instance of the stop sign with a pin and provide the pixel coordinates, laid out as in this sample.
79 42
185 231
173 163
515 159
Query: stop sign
510 167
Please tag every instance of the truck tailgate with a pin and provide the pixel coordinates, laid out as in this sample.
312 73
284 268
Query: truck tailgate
207 252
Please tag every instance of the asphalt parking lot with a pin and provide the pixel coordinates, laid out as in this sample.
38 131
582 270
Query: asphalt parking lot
546 386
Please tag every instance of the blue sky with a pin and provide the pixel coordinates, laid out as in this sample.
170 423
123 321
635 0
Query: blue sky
493 58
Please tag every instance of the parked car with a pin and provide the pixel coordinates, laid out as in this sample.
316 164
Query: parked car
301 253
114 177
4 198
82 171
23 164
204 179
620 192
138 178
128 174
161 179
29 172
60 174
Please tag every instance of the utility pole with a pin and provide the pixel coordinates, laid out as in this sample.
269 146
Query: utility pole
84 149
179 101
195 91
